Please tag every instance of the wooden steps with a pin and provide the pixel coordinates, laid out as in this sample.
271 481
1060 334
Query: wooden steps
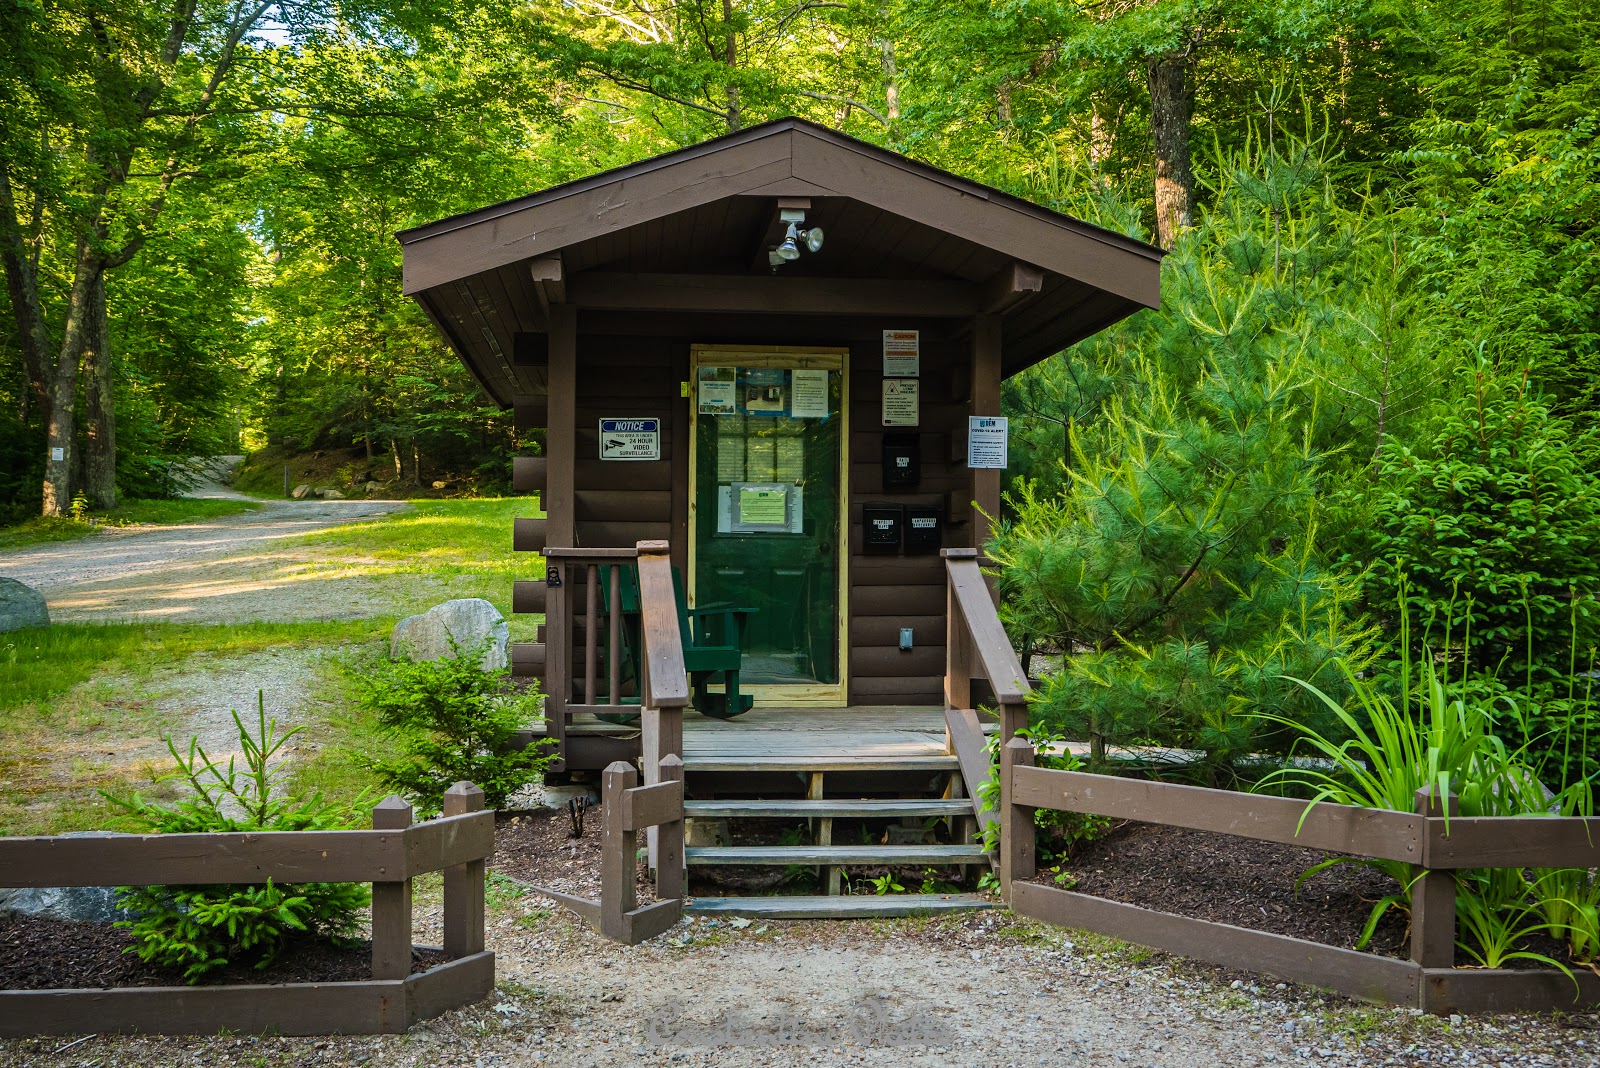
834 855
843 808
843 907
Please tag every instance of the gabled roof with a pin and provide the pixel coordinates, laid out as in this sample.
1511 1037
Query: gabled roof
702 208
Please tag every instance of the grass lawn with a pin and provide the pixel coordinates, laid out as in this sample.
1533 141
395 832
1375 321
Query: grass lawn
81 705
129 513
79 712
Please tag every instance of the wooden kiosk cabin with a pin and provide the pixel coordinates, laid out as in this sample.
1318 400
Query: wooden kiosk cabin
772 359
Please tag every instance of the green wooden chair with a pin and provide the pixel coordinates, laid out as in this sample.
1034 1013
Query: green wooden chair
713 648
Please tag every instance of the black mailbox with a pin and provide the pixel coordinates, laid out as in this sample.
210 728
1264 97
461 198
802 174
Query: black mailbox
924 530
902 461
881 528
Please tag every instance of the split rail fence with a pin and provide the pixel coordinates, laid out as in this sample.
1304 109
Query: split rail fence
1435 846
389 856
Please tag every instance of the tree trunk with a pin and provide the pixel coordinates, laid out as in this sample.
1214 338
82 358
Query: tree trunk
1171 101
100 437
416 463
22 285
394 447
891 81
1101 141
61 421
730 59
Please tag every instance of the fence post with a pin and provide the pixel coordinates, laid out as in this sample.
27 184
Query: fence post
1016 821
669 840
463 883
619 865
391 902
1433 897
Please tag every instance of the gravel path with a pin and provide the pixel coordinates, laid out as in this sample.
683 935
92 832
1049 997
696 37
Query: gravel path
223 570
980 990
140 552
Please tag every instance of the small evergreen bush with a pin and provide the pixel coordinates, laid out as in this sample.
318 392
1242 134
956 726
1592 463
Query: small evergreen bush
198 929
452 721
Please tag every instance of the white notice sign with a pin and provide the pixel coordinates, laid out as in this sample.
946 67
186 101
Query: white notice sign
901 354
808 394
986 441
58 453
630 439
900 396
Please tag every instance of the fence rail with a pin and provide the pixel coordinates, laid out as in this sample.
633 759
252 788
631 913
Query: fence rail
1435 845
389 856
625 809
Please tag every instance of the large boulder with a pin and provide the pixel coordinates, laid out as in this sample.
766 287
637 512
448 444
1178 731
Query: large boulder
468 621
302 491
94 904
21 606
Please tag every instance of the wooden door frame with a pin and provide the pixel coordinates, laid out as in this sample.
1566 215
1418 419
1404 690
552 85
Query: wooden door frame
831 358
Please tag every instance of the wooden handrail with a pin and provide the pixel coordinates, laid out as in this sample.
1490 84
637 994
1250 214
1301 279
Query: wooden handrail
667 681
976 640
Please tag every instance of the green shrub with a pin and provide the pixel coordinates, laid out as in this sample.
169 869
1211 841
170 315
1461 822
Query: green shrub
198 929
452 721
1480 741
1493 530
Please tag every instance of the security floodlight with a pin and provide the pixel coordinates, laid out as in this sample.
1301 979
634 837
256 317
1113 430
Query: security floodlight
813 238
790 250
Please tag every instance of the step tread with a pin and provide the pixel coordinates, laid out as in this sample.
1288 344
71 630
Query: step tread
892 855
858 807
820 762
855 906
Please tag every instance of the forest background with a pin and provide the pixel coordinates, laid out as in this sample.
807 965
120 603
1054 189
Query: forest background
1369 394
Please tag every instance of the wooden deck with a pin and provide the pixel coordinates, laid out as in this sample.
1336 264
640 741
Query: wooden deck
861 738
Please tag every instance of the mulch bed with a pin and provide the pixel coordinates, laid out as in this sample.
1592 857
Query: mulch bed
37 953
537 848
1237 881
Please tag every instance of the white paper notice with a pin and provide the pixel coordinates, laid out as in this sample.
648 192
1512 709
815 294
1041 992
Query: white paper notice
716 391
900 406
808 394
986 441
901 354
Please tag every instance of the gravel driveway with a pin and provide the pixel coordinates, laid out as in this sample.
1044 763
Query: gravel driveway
226 570
129 552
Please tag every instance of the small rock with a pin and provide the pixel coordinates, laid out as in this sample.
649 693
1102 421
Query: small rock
21 606
332 495
441 485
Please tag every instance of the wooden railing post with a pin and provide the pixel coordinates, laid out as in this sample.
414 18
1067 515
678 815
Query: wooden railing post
669 839
957 641
463 883
558 655
391 902
1433 897
618 848
1016 821
665 684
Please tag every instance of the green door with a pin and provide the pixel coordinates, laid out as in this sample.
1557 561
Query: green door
766 491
